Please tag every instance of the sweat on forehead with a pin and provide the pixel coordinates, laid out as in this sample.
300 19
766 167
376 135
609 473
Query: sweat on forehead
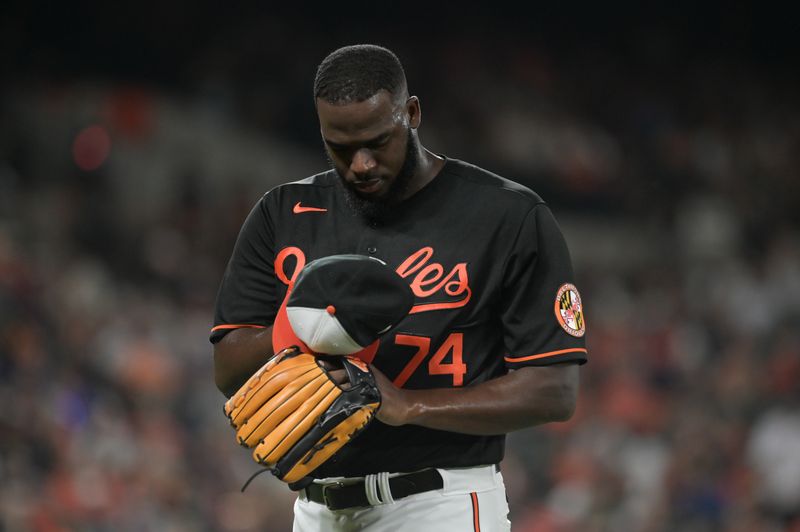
371 117
356 73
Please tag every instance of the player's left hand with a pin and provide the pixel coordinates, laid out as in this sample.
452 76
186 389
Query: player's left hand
295 414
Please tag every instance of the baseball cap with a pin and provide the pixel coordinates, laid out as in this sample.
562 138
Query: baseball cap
340 304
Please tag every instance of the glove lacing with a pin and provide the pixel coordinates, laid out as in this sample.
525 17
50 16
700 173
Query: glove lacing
254 475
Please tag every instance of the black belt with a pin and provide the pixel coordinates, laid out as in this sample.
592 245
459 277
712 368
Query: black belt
339 496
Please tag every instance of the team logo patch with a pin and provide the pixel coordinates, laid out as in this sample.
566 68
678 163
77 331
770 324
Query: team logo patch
569 310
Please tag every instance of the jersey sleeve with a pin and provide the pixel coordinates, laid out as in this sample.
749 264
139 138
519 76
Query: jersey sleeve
246 296
542 312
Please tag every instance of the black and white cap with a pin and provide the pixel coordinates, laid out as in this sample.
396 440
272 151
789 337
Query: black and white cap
342 303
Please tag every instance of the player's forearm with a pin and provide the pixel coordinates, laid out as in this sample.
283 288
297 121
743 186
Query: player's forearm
238 355
523 398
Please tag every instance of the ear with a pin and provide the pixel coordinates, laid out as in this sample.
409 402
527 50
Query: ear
414 112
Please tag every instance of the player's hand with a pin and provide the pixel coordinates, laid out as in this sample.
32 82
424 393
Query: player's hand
339 376
299 409
395 402
393 413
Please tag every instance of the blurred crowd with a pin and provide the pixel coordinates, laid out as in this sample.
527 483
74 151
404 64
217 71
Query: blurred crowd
679 197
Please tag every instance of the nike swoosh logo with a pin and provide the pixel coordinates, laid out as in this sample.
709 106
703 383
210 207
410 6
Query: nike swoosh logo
299 209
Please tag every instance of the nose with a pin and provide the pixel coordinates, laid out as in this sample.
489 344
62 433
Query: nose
362 162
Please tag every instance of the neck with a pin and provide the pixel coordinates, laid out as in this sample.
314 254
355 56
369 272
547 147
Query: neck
429 166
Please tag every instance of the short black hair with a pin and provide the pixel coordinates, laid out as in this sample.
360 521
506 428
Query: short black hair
356 73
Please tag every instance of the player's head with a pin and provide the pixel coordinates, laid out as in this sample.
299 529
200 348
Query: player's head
368 122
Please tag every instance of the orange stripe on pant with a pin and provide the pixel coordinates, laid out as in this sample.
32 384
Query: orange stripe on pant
476 514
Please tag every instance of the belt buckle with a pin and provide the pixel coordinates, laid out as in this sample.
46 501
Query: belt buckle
325 488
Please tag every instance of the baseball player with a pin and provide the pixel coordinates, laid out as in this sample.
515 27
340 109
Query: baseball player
491 343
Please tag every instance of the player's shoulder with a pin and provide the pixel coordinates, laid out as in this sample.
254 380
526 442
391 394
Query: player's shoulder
477 180
322 180
311 188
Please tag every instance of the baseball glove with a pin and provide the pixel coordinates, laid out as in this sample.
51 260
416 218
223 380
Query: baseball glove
294 415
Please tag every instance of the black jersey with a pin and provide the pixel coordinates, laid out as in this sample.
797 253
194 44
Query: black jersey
492 280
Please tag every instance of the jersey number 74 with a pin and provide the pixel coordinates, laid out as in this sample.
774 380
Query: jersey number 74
454 344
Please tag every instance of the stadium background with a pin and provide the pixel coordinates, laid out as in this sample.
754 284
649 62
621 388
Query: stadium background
136 136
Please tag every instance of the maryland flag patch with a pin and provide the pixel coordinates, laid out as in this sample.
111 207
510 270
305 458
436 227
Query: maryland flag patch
569 310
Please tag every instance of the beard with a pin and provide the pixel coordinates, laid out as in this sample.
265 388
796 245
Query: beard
375 210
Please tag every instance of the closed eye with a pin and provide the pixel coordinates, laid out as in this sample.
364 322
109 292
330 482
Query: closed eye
377 143
372 144
339 148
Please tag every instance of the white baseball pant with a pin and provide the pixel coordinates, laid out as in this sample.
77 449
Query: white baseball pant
471 500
